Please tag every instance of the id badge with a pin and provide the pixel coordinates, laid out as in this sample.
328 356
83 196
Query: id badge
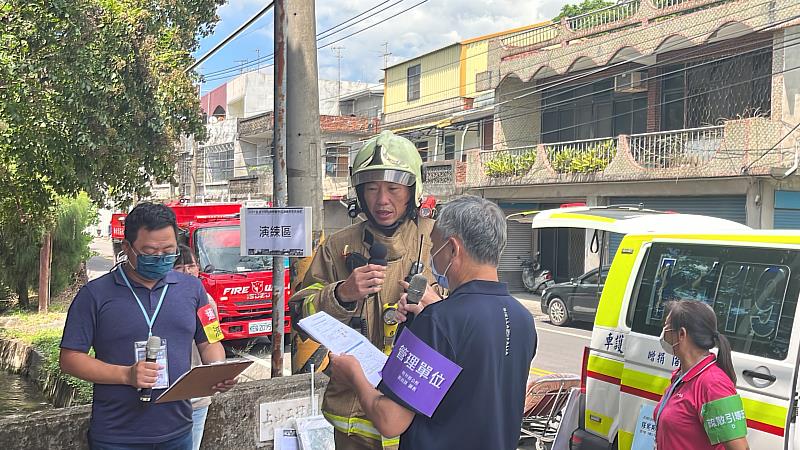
140 352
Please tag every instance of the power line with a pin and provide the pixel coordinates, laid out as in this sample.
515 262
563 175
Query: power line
326 34
320 36
542 87
584 75
733 54
230 38
617 37
728 150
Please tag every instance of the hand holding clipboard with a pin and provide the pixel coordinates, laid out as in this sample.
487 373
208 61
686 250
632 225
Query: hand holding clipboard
204 380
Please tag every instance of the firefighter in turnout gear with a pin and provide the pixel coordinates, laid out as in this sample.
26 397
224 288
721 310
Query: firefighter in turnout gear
386 175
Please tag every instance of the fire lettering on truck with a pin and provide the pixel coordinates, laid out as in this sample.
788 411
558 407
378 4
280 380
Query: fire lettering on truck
236 290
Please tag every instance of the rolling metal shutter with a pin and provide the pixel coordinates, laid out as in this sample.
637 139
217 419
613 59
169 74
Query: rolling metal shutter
730 207
787 210
519 243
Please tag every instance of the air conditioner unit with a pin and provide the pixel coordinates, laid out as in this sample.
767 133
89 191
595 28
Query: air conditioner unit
630 82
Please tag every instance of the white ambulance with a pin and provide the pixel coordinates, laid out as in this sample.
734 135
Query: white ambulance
750 277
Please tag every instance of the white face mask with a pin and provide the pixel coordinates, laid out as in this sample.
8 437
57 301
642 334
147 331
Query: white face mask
441 278
666 346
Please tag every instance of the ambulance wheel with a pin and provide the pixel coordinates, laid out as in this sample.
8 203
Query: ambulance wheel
557 311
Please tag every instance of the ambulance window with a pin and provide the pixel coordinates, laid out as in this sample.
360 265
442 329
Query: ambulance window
750 289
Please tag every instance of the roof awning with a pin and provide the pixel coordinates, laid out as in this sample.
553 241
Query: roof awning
627 220
473 114
416 127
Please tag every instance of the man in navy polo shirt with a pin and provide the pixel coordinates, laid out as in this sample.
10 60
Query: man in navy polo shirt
113 313
479 326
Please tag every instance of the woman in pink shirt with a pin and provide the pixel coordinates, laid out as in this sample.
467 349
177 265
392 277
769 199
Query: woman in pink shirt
700 410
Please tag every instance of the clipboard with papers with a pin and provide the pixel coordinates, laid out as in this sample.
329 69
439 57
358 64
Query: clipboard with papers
199 381
341 339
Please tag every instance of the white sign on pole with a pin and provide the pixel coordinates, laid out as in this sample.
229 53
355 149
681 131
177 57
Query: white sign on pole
276 231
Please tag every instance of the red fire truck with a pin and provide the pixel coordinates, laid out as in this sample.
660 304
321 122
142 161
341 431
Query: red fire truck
241 285
117 231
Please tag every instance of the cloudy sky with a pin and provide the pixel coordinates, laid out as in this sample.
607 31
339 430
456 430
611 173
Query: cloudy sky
428 26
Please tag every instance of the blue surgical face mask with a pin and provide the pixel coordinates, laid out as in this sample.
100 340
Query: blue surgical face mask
154 267
441 278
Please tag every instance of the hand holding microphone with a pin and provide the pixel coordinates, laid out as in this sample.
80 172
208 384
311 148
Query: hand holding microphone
366 280
145 373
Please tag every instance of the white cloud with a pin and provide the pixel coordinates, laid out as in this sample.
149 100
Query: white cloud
432 25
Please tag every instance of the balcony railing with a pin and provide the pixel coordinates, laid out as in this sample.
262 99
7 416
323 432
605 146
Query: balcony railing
584 156
679 148
533 36
514 162
667 3
604 16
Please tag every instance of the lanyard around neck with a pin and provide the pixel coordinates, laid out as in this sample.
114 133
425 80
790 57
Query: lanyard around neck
674 385
150 320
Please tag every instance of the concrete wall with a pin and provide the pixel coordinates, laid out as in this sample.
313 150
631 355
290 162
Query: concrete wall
514 127
233 419
789 81
20 358
252 93
336 217
369 106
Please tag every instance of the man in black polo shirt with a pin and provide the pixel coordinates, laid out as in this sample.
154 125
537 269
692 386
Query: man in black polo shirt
479 327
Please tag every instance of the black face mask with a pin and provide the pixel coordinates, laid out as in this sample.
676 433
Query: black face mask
390 229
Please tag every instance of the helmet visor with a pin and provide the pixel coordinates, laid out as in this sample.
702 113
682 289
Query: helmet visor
392 176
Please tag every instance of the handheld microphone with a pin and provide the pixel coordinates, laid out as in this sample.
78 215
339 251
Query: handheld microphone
377 254
151 355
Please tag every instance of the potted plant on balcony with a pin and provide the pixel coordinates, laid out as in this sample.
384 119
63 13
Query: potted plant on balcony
504 164
582 160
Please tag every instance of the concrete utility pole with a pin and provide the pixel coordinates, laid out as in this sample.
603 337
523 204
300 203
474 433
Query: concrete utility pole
279 189
337 51
303 162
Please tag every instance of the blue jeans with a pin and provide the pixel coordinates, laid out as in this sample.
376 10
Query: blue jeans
183 442
198 425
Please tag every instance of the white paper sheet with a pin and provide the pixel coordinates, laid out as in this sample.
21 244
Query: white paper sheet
341 339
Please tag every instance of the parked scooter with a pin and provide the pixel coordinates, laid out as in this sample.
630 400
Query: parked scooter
534 277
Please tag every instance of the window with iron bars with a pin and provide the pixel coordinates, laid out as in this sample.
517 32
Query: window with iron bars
337 161
219 162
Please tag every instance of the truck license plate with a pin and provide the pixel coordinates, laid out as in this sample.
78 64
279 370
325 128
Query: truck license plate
264 326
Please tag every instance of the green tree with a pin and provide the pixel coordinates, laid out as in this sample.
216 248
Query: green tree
581 8
93 96
19 258
19 253
70 240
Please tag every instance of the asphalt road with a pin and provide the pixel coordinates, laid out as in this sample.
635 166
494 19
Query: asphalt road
103 260
560 349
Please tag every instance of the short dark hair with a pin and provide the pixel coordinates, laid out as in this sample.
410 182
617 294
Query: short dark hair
150 216
186 256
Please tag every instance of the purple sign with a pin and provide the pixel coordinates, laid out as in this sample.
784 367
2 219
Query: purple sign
418 374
